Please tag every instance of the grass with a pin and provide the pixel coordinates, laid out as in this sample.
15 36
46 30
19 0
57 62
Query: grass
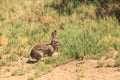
13 57
118 69
100 64
41 68
4 63
56 61
117 62
82 33
109 64
79 73
18 72
31 78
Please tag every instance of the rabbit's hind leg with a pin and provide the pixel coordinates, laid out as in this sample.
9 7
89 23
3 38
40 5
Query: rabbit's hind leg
40 56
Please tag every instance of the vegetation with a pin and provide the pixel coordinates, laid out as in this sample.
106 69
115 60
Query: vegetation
41 68
117 63
85 28
18 72
13 57
100 64
4 63
31 78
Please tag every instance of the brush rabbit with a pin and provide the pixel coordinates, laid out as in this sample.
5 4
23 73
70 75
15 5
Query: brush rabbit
42 49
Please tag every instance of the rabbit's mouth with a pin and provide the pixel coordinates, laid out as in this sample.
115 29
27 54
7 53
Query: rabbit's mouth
55 43
58 44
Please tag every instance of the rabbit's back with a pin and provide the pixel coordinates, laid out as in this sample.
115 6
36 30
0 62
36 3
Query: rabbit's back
45 48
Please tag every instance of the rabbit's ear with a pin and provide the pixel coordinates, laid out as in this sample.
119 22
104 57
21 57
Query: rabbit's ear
53 35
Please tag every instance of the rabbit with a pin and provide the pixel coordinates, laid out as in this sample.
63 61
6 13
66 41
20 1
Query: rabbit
42 49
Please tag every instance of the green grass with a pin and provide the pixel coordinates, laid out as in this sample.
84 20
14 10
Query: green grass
100 64
41 69
4 63
31 78
117 62
18 72
13 57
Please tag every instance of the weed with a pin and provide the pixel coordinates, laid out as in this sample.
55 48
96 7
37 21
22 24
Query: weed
13 57
55 61
109 65
117 62
18 72
4 63
79 73
100 64
30 78
118 69
41 68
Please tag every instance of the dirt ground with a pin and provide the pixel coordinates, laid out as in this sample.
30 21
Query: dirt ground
74 70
